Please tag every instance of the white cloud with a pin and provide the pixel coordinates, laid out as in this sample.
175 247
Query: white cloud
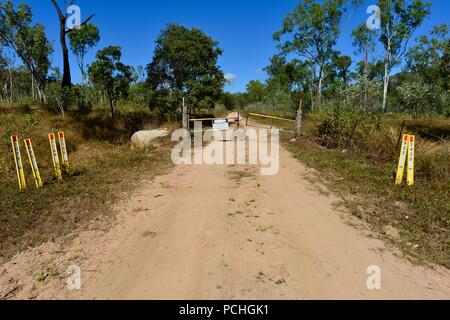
230 77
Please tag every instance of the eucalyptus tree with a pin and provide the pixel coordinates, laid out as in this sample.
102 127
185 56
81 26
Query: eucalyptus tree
81 40
364 42
28 41
311 31
185 64
399 20
430 58
111 76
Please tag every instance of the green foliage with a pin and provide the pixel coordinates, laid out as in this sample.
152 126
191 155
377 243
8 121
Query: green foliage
295 74
415 95
229 101
345 127
60 99
430 58
28 42
364 93
185 65
57 97
4 79
374 70
83 98
81 40
256 91
341 67
399 20
139 94
427 84
312 29
363 39
111 76
419 97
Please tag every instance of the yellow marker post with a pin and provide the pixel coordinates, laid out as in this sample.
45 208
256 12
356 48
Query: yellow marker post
411 150
402 160
54 150
33 163
18 161
62 146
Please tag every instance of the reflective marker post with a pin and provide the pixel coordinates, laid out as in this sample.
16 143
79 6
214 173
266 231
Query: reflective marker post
62 145
54 151
402 160
18 162
34 166
411 151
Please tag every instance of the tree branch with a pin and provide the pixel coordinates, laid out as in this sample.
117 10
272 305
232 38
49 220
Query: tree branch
61 16
82 24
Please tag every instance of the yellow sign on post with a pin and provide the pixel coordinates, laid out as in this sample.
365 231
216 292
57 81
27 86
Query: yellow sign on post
62 145
33 162
18 161
406 154
402 160
54 150
411 150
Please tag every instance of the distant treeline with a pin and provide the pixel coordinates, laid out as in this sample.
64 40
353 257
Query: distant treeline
308 68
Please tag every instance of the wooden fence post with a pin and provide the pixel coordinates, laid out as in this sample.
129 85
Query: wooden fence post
238 119
185 116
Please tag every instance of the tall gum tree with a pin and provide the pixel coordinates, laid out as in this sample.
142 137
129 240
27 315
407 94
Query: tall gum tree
364 42
81 40
311 31
399 20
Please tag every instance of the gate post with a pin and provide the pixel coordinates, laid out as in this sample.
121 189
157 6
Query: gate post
238 119
185 119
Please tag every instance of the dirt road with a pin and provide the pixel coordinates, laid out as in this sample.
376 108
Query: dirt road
226 232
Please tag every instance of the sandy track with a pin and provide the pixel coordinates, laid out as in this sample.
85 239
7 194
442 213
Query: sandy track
226 232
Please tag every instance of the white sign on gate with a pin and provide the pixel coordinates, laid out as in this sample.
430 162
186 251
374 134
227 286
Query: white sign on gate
220 125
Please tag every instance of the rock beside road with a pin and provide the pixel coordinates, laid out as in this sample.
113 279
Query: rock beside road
148 138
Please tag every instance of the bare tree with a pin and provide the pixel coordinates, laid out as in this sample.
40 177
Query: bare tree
67 79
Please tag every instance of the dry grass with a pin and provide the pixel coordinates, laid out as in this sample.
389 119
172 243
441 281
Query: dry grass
364 178
103 166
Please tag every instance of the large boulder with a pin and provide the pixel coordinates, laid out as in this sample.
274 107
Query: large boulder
148 138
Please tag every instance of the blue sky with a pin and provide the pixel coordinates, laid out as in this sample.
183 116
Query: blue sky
244 29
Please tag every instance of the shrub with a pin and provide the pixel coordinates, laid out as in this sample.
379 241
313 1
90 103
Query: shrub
346 127
81 98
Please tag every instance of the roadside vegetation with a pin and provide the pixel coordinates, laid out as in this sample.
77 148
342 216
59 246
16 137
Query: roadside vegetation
358 160
98 115
355 112
103 167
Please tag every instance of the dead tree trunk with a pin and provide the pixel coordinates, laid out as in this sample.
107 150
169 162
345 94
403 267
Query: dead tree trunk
67 79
